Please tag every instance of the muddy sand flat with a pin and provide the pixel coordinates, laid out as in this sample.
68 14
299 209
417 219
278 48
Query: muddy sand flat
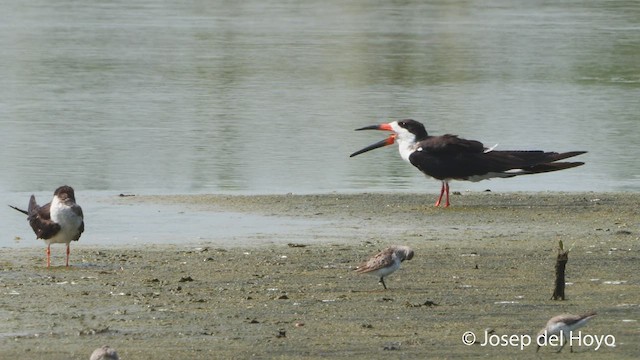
485 264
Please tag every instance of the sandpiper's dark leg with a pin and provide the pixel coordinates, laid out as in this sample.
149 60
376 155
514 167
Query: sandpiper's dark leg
383 284
565 343
68 251
48 255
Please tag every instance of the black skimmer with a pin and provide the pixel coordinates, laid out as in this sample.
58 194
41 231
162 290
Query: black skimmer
59 221
449 157
385 262
561 326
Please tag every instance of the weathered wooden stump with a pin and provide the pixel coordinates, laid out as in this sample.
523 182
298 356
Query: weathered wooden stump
561 263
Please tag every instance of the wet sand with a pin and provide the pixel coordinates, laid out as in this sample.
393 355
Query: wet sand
485 263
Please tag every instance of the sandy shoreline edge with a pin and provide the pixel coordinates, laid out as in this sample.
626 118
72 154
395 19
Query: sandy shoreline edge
487 262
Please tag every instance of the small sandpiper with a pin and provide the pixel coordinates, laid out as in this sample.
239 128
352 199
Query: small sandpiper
385 262
57 222
564 324
104 353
